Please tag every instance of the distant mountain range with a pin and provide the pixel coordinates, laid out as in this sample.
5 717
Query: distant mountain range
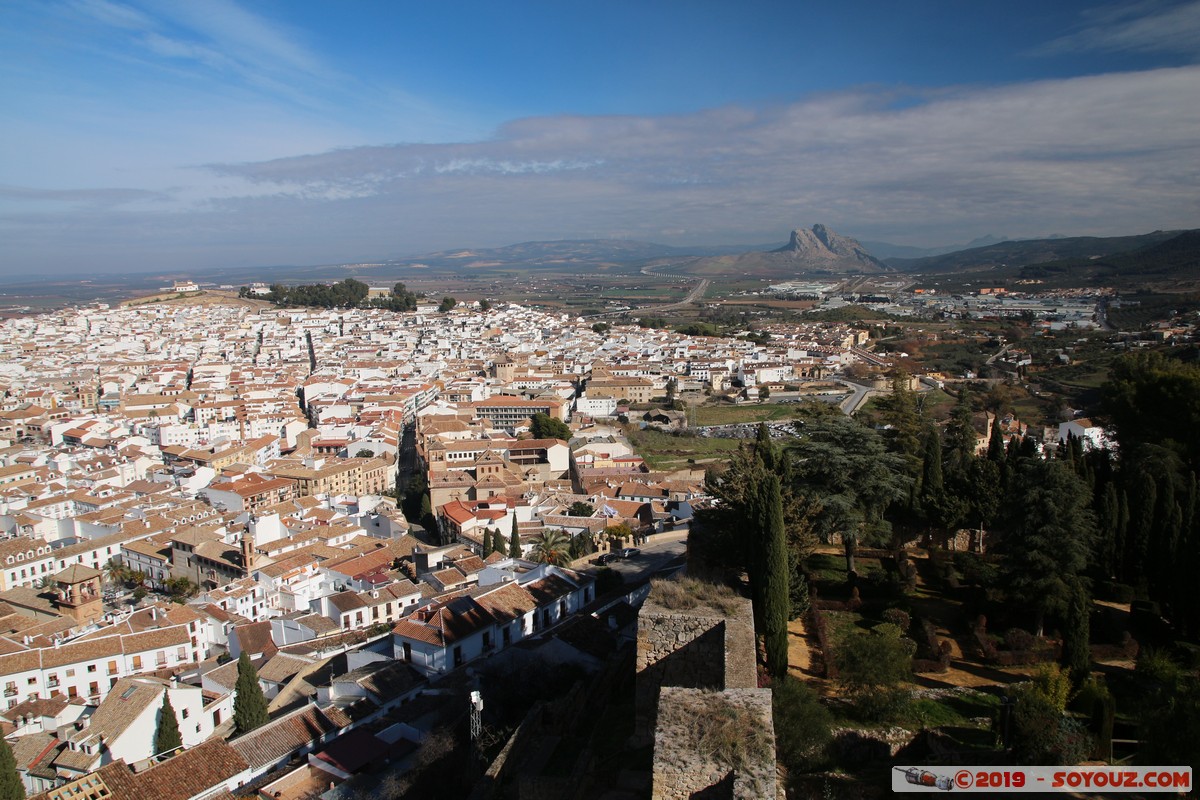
1020 253
808 252
816 251
1175 260
887 250
1161 255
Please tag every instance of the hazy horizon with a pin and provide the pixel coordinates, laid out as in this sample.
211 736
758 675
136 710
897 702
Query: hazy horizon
156 136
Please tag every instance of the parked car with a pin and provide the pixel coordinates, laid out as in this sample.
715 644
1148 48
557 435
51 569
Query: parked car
605 558
630 552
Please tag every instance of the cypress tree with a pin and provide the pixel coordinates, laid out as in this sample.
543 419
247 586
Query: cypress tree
11 786
1077 656
487 542
249 704
1180 590
797 585
933 488
764 449
167 737
1049 545
960 435
1166 550
776 597
995 450
1188 612
1141 529
514 542
1109 517
1121 537
1028 448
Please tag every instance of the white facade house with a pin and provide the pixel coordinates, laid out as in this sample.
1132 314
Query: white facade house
124 726
446 635
89 668
1091 435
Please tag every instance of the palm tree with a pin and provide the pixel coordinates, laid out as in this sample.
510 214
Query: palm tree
115 572
552 547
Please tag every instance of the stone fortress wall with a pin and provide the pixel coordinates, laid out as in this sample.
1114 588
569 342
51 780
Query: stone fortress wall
699 660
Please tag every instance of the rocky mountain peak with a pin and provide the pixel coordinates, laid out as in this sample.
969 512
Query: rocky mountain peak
820 244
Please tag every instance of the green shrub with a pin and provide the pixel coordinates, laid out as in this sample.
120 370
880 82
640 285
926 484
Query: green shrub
802 725
872 666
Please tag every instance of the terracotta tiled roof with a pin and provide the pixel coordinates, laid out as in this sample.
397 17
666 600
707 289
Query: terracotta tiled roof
125 702
281 668
277 739
39 707
224 675
346 601
506 602
549 589
318 624
255 637
384 679
445 623
188 774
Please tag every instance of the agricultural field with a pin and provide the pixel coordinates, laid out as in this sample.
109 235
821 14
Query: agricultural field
665 451
751 412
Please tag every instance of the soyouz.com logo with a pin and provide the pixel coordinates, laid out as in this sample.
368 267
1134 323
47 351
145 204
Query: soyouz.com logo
1041 779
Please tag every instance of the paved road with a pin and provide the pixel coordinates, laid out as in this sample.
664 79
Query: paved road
859 395
695 294
999 354
664 550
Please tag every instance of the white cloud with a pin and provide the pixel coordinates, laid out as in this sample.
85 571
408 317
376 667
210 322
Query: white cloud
1145 27
1093 155
218 38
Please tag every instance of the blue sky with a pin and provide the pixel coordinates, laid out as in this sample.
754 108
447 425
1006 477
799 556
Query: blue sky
147 135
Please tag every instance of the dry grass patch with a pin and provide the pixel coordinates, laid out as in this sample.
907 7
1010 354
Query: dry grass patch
685 594
727 732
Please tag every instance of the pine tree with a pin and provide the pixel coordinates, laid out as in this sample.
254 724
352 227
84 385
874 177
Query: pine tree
514 541
167 737
11 786
903 420
249 704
